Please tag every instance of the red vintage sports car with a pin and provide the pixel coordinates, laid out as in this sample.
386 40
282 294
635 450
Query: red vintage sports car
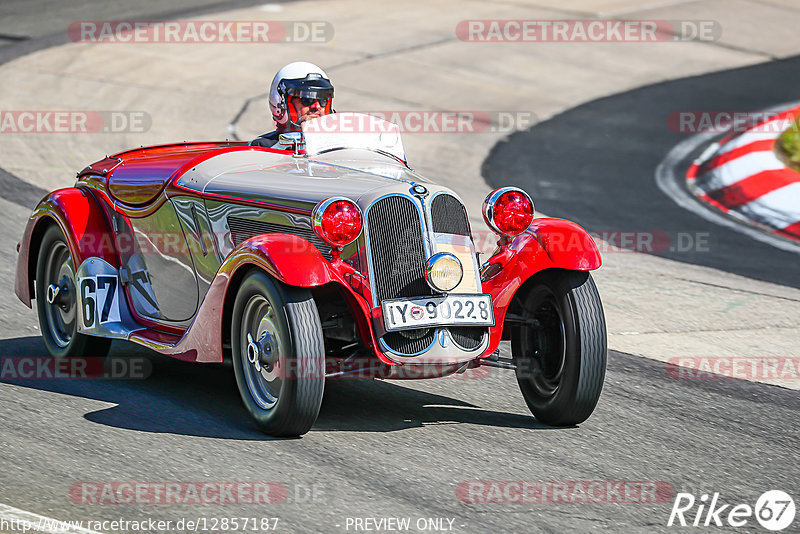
329 258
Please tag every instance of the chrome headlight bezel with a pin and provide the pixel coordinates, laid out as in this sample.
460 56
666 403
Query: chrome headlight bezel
488 208
318 213
430 276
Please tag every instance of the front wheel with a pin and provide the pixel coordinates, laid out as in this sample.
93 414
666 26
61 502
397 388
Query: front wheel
278 354
57 301
560 347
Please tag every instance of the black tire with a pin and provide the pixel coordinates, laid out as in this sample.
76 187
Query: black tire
561 352
59 321
283 393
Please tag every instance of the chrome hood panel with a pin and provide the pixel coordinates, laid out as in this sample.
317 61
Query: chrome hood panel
298 182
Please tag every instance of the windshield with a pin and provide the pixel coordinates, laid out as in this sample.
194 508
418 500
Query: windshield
339 131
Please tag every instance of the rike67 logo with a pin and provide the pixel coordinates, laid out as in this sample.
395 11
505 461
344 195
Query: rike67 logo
774 510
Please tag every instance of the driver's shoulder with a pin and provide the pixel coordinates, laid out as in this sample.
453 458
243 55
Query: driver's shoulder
266 140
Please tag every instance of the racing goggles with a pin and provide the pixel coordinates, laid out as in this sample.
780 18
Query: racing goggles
312 87
308 98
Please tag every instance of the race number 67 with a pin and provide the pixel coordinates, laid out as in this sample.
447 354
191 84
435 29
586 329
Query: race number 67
89 288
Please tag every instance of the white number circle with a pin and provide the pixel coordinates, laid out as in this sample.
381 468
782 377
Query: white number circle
775 510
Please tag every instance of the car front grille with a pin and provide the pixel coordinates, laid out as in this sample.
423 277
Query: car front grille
396 243
410 342
468 337
244 229
449 216
396 239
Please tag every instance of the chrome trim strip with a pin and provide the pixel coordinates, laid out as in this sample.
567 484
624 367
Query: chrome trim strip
386 348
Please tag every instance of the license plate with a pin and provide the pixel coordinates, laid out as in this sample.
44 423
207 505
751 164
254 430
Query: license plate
419 312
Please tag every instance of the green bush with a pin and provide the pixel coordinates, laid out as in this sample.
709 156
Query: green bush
789 142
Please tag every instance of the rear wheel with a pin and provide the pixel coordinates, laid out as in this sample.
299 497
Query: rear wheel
560 347
278 354
57 302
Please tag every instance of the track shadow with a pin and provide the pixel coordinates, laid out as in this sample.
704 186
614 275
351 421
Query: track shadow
177 397
165 395
385 406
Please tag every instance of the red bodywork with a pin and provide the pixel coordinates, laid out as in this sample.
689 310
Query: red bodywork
548 243
81 220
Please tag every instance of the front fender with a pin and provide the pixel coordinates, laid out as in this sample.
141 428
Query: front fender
297 262
84 225
568 246
547 244
291 259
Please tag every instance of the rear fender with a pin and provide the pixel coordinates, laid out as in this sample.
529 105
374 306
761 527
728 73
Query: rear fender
84 225
547 244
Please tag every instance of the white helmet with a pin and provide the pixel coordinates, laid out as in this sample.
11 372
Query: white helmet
301 79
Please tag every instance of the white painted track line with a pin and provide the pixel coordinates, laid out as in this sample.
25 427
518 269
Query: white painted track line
16 520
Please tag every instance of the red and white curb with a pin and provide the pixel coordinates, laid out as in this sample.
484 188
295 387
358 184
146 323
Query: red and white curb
742 176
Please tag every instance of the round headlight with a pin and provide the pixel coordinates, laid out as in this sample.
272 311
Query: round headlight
337 221
443 272
508 211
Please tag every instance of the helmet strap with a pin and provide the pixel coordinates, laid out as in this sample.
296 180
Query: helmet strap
292 120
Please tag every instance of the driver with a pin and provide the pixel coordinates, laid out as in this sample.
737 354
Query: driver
299 91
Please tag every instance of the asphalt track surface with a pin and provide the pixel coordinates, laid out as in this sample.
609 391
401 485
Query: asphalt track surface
595 164
395 449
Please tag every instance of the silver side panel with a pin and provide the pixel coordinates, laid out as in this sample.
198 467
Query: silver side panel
163 283
200 242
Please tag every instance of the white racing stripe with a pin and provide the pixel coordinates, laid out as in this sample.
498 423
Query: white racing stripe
16 520
765 131
751 137
779 208
738 169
